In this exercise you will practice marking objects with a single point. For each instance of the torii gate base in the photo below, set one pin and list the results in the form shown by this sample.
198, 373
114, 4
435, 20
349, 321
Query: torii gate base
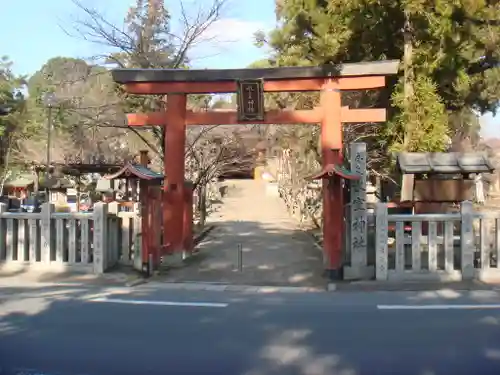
328, 80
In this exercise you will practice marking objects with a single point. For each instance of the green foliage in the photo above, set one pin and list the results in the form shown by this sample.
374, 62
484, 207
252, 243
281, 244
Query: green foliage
150, 43
454, 61
81, 91
420, 125
11, 97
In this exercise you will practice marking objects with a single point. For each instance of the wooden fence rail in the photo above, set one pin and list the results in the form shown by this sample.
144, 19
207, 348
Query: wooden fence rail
437, 246
91, 242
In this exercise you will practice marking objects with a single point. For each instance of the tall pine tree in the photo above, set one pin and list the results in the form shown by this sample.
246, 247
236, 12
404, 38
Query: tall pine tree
449, 51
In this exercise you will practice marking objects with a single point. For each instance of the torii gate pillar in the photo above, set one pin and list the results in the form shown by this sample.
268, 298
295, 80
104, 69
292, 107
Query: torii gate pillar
174, 189
331, 149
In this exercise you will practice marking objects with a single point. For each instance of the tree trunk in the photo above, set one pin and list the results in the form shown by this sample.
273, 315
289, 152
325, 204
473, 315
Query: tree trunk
36, 181
6, 172
202, 204
408, 75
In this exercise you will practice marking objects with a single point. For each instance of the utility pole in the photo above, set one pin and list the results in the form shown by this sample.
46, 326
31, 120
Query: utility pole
50, 101
49, 138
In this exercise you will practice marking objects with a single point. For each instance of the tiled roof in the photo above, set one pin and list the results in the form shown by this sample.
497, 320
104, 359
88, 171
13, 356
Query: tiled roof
137, 171
19, 182
147, 172
334, 169
444, 162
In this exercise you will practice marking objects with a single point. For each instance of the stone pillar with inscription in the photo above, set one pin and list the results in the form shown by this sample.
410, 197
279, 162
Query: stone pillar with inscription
358, 242
100, 237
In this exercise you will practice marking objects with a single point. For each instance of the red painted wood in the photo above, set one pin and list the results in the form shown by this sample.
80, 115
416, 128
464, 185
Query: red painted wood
280, 85
312, 116
331, 144
175, 141
143, 198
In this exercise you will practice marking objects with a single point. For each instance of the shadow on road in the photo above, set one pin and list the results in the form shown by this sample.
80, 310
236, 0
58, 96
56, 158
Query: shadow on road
58, 331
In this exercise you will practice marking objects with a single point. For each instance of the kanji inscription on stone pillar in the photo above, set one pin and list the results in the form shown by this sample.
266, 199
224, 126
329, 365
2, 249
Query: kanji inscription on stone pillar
358, 207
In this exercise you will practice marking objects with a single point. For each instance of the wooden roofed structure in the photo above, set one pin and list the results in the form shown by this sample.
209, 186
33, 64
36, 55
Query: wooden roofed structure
441, 176
459, 163
138, 171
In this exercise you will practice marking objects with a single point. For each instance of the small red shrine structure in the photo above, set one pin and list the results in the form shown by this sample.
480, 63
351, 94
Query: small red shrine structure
151, 202
149, 210
250, 86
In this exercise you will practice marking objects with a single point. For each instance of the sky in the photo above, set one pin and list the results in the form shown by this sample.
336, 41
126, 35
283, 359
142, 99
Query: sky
33, 31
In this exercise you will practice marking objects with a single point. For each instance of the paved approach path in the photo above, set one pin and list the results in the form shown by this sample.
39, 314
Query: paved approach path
275, 250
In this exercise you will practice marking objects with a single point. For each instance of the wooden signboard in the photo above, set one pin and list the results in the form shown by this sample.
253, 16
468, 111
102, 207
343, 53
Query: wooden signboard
250, 96
443, 190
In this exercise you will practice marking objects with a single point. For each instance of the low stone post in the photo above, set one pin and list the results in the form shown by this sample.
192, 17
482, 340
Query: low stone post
381, 246
113, 234
137, 237
47, 244
467, 240
3, 252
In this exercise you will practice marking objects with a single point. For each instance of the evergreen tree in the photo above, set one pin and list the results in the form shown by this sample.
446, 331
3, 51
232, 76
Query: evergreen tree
12, 101
449, 49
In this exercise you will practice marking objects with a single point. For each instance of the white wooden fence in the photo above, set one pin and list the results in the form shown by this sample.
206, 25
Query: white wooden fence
451, 247
92, 242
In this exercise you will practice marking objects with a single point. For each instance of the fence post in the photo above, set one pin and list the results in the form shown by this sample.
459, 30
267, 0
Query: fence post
382, 236
467, 240
113, 232
100, 237
357, 230
47, 210
3, 252
136, 237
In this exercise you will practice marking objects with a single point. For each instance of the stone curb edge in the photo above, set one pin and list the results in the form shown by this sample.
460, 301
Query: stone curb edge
227, 287
198, 238
331, 287
204, 233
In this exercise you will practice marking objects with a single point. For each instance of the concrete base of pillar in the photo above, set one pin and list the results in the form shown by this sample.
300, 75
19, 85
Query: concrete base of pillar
334, 274
359, 272
176, 259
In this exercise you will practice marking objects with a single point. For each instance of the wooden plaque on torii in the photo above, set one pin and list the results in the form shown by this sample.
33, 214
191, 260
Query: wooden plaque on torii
250, 99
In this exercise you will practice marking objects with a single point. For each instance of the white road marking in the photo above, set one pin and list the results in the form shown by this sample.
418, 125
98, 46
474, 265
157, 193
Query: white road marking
158, 303
439, 307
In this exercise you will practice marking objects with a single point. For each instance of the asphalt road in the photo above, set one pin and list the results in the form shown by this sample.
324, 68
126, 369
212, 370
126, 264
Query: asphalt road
73, 331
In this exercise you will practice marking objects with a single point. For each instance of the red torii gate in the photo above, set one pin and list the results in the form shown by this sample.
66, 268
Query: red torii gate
250, 84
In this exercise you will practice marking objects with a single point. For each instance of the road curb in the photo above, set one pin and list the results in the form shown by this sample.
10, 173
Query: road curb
330, 288
197, 239
367, 287
203, 234
232, 288
136, 282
